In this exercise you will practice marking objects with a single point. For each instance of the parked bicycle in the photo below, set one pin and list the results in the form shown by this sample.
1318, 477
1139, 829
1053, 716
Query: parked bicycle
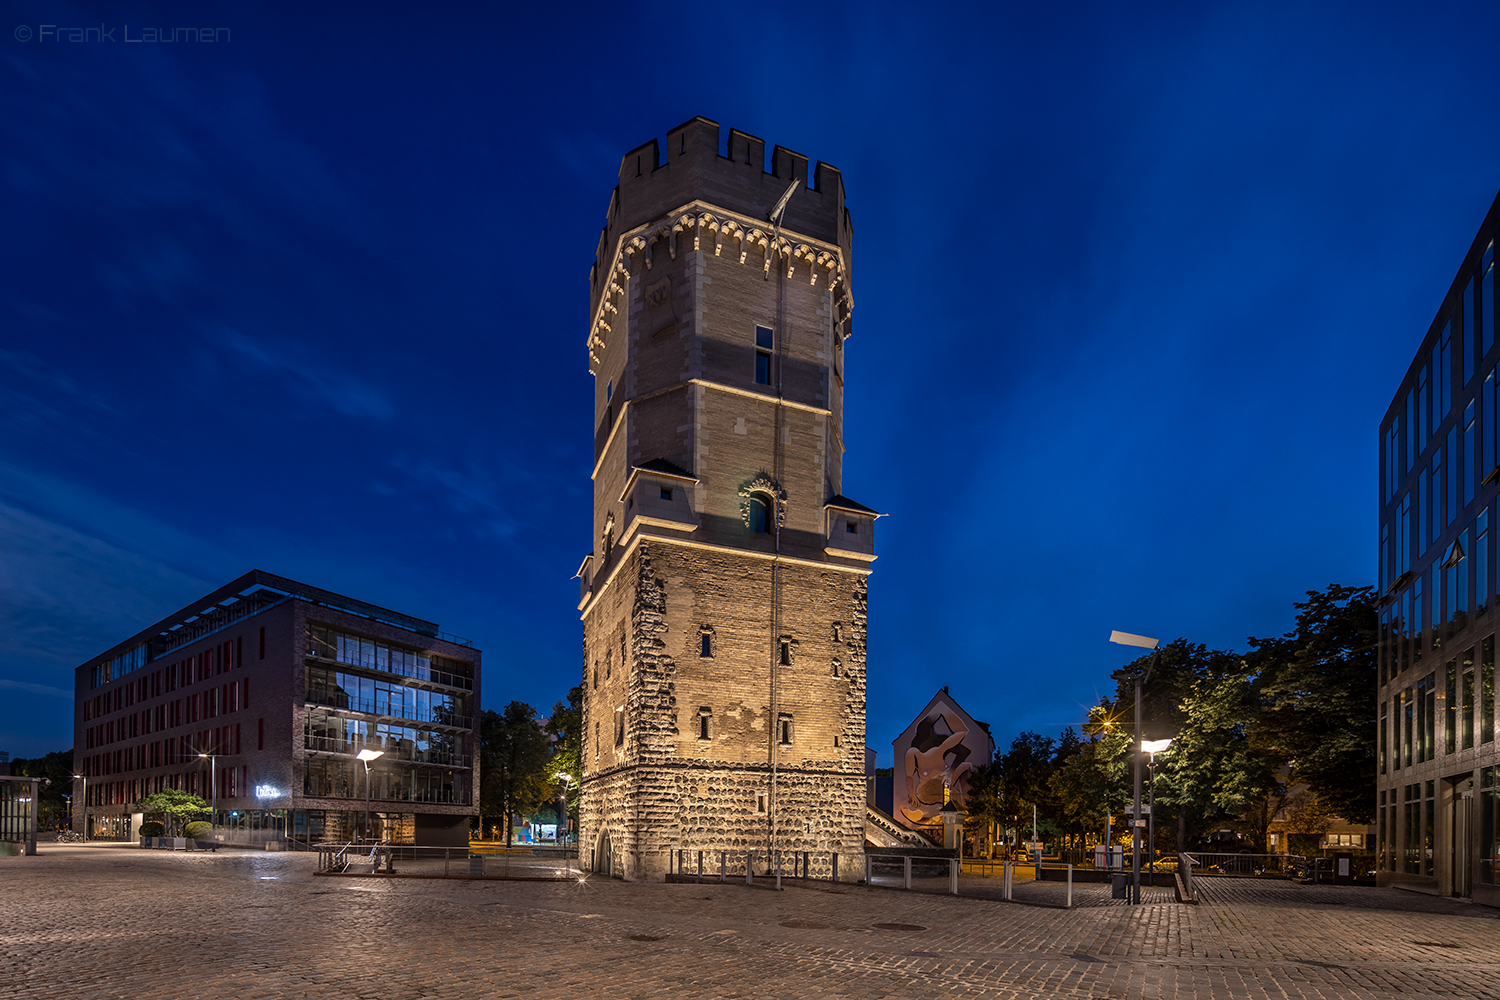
69, 837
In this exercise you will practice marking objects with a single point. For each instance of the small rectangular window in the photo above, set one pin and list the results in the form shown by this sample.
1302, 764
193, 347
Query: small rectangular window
705, 644
763, 338
262, 642
666, 493
620, 726
785, 724
705, 718
786, 653
852, 527
763, 369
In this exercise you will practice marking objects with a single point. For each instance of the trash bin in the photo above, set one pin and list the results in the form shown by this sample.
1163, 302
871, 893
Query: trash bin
1118, 888
1343, 868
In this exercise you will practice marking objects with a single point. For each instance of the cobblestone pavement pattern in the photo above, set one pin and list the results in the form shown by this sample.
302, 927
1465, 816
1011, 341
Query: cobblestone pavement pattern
106, 923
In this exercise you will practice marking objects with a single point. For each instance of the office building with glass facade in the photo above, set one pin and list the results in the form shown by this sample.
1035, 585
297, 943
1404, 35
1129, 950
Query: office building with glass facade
260, 698
1438, 760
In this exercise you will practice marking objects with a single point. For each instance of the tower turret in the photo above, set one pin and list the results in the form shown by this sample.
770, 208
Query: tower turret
724, 600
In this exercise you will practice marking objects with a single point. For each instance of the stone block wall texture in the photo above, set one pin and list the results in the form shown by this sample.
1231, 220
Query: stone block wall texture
724, 668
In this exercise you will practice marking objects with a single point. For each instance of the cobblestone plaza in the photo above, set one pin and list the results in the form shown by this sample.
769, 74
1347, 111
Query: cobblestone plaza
250, 925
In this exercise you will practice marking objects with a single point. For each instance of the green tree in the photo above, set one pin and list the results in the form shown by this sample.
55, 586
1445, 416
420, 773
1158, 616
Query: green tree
1026, 776
1219, 769
176, 807
1203, 700
1316, 687
56, 768
1093, 782
514, 754
565, 729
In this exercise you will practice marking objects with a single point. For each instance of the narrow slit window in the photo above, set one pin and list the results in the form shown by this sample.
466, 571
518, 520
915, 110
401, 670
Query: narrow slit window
765, 341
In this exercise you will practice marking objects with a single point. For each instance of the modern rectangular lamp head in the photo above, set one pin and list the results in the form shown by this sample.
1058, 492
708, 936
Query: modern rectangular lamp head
1127, 639
1155, 746
369, 755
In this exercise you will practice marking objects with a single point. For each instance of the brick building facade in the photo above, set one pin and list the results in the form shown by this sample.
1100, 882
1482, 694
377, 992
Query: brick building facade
724, 602
281, 685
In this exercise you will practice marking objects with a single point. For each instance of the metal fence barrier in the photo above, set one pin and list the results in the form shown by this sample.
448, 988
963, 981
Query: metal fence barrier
716, 865
451, 862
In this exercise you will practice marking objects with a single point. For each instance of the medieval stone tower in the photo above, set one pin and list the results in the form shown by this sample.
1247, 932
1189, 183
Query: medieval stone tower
724, 601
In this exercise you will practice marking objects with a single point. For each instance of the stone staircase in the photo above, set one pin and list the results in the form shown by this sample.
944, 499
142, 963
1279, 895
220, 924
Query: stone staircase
883, 831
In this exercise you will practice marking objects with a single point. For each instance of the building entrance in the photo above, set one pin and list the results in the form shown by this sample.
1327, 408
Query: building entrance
1460, 844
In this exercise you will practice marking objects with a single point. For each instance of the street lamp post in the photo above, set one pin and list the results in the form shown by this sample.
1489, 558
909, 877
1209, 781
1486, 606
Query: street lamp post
85, 780
567, 783
1127, 639
368, 755
213, 786
1153, 747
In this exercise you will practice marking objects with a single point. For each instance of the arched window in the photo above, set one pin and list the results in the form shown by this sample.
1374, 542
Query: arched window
760, 514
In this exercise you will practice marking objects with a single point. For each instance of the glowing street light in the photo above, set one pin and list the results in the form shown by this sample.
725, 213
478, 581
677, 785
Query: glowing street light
85, 780
566, 823
366, 756
1130, 639
1153, 747
213, 785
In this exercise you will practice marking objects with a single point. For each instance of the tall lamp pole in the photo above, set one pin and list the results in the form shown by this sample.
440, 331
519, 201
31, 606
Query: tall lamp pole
1141, 677
367, 756
213, 785
1153, 747
83, 778
567, 783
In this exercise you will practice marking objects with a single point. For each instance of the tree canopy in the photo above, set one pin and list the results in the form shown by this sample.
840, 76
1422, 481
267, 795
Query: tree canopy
176, 806
513, 758
1249, 732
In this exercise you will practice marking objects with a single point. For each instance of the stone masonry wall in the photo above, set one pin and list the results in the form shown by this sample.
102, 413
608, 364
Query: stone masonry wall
667, 787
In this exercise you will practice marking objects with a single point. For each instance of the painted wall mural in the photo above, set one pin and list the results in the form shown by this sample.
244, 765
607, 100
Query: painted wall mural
938, 751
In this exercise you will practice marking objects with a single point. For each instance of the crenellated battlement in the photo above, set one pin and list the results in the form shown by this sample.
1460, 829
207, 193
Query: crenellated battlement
654, 181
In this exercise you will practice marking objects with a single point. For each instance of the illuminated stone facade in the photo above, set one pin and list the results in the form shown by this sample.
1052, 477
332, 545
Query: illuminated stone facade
724, 602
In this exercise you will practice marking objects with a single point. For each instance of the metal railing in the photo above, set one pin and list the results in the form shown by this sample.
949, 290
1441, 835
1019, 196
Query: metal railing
370, 706
395, 749
720, 865
932, 867
411, 861
1247, 865
1185, 870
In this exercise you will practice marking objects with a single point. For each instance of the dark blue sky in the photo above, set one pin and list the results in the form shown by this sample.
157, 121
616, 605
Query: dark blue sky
1133, 289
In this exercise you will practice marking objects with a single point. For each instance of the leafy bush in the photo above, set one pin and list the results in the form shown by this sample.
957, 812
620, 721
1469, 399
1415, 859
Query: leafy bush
197, 830
151, 828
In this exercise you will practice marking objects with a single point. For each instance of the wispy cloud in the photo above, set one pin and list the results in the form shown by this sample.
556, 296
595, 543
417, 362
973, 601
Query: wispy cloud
34, 688
311, 379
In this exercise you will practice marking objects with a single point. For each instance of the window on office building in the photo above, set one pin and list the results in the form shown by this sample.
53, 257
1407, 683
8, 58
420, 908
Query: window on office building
1466, 700
1453, 464
1471, 456
1383, 706
1481, 554
1450, 701
1470, 341
1489, 825
1487, 690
